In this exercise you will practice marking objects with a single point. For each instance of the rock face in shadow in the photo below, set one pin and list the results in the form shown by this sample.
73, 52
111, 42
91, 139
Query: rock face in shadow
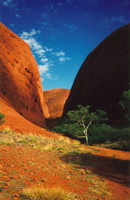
104, 75
19, 78
55, 100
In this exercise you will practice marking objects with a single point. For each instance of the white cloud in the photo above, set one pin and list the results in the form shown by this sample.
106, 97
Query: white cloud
45, 72
44, 68
61, 56
44, 60
63, 59
44, 64
48, 49
33, 32
29, 38
49, 76
60, 53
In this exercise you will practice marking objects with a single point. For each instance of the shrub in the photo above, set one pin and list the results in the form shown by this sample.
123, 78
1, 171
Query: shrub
125, 104
40, 193
72, 130
1, 118
103, 133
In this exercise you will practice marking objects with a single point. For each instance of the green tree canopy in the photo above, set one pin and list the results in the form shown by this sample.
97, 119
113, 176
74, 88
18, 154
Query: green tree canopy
85, 117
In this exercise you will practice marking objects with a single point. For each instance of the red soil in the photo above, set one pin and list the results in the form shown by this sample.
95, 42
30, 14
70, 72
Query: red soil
22, 166
18, 123
84, 173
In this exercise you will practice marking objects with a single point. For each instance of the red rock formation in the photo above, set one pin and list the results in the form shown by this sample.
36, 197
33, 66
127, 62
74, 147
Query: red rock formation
17, 123
19, 77
104, 75
55, 100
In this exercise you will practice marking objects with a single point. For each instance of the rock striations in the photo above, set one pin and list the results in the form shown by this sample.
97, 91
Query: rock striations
19, 78
104, 75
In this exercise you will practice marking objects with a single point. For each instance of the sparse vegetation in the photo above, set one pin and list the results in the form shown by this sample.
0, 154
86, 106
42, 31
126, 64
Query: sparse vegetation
82, 119
1, 118
106, 134
125, 104
77, 158
63, 144
99, 133
41, 193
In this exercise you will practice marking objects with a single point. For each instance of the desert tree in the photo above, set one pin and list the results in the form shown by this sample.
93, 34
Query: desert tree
85, 117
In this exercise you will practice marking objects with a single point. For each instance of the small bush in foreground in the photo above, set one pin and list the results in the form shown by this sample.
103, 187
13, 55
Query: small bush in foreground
1, 118
40, 193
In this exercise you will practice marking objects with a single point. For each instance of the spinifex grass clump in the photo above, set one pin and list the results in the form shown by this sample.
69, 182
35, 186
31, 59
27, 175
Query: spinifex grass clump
41, 193
1, 118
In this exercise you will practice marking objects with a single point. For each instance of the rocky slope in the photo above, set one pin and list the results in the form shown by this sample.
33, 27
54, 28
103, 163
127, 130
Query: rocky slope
19, 77
103, 76
55, 100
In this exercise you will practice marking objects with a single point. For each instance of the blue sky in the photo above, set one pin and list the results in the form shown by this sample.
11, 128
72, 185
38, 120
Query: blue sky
61, 33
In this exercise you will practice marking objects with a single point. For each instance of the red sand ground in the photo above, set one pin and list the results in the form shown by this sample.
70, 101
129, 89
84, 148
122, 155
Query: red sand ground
21, 166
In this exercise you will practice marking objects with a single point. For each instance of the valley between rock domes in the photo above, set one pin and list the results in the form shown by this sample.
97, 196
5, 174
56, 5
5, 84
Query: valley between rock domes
32, 155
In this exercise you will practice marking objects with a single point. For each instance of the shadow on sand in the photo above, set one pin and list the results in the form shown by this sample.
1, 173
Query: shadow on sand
112, 168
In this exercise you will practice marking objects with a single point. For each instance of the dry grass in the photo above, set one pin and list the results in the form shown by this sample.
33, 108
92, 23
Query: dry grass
62, 145
98, 186
41, 193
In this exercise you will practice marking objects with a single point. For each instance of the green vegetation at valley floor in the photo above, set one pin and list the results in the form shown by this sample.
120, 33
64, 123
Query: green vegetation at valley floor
125, 104
99, 134
81, 120
84, 123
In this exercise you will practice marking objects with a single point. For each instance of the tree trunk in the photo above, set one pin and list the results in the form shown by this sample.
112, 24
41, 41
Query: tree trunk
86, 132
86, 135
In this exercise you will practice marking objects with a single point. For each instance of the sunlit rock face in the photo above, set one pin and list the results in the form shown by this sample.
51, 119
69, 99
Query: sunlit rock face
104, 75
55, 100
19, 77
